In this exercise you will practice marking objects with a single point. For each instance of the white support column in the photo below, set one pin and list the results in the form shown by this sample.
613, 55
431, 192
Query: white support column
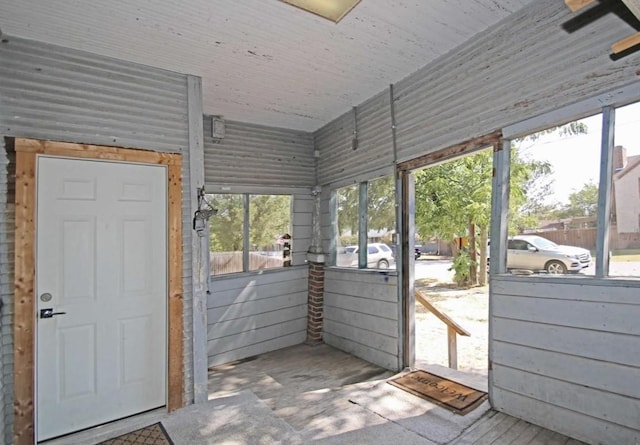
363, 226
199, 241
500, 207
604, 191
500, 191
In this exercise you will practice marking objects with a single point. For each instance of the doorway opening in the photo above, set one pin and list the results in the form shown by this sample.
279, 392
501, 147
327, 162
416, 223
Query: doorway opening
446, 216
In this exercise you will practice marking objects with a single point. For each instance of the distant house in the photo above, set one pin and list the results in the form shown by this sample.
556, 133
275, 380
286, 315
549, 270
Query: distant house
626, 186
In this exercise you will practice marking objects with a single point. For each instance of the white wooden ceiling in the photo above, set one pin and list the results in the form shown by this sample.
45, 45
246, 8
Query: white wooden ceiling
264, 61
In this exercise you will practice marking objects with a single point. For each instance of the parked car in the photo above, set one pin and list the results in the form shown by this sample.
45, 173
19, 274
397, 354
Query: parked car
535, 253
379, 255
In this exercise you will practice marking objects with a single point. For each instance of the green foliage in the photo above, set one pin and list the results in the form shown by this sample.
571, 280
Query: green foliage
348, 198
381, 211
461, 266
382, 204
269, 217
225, 229
583, 202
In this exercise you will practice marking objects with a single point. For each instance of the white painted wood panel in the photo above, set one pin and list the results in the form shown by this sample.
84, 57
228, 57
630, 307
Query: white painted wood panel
595, 403
362, 321
370, 291
255, 307
239, 325
361, 315
597, 374
254, 292
565, 355
570, 288
606, 317
592, 344
253, 313
579, 426
255, 336
363, 305
251, 350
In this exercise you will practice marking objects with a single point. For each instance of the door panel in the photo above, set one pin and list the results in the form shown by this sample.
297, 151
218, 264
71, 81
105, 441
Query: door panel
102, 256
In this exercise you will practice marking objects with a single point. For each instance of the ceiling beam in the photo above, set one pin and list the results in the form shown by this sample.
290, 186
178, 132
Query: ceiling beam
577, 5
626, 43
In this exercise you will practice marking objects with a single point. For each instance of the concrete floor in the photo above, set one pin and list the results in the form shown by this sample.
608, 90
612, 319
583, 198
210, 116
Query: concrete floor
317, 394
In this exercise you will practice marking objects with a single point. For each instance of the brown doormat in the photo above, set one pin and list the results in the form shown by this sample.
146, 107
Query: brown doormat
449, 394
149, 435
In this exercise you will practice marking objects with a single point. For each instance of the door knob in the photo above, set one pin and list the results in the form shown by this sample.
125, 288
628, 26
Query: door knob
48, 313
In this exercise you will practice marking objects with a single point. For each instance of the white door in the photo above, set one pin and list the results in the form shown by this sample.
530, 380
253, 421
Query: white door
102, 260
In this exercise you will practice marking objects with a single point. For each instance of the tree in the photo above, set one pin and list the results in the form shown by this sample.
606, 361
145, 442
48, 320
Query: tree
453, 199
269, 217
583, 202
381, 211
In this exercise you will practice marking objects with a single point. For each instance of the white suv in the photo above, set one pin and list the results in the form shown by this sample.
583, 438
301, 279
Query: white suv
535, 253
379, 255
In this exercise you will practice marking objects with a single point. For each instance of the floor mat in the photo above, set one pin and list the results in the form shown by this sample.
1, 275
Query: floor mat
150, 435
454, 396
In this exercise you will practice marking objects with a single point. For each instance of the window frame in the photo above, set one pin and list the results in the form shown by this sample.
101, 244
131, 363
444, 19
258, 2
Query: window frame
363, 218
605, 104
246, 227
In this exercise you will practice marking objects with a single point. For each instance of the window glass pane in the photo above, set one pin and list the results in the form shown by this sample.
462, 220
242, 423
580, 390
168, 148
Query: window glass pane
269, 229
554, 199
624, 234
226, 233
347, 226
381, 222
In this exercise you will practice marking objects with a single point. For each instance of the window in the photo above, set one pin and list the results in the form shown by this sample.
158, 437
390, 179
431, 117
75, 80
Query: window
624, 230
366, 206
249, 232
568, 199
553, 208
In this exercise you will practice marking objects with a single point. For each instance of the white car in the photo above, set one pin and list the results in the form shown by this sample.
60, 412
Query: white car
535, 253
379, 255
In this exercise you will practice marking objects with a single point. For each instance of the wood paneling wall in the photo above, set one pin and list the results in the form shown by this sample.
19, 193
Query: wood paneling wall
250, 314
361, 315
565, 355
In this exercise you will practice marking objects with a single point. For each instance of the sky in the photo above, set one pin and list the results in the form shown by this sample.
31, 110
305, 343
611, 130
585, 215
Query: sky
576, 159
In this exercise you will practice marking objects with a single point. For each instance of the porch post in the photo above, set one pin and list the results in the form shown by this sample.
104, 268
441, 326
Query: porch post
316, 260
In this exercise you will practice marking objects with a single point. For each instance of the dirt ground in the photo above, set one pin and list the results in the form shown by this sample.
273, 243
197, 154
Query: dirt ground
467, 307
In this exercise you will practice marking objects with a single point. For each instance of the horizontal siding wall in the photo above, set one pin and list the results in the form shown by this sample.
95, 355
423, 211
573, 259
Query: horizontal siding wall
257, 155
535, 61
253, 314
361, 315
540, 58
53, 93
338, 159
566, 356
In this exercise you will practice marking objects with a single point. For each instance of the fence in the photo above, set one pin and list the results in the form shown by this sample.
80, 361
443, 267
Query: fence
586, 238
231, 262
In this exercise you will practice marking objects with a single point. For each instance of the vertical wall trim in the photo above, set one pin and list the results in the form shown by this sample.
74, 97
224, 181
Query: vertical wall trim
407, 288
499, 231
500, 206
246, 244
333, 236
199, 244
394, 139
363, 229
604, 191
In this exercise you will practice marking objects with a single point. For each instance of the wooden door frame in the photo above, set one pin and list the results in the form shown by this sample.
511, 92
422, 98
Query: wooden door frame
24, 331
403, 170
